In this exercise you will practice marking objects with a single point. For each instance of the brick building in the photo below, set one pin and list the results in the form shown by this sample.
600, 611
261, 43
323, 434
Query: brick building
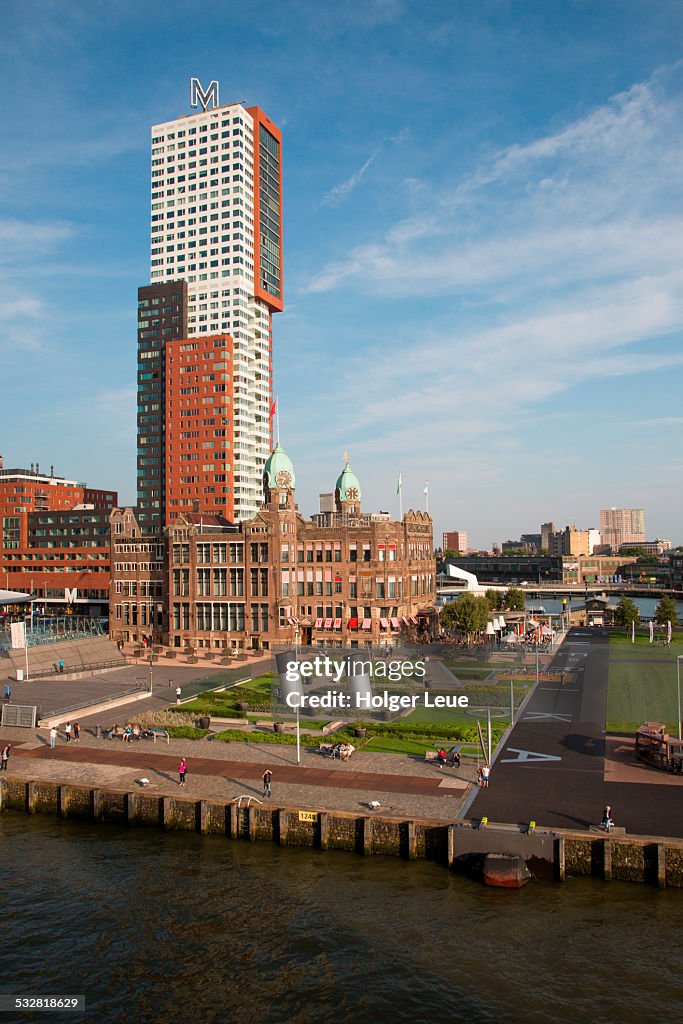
54, 541
341, 577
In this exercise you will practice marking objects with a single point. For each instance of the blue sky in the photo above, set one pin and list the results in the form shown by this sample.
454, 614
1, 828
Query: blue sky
483, 242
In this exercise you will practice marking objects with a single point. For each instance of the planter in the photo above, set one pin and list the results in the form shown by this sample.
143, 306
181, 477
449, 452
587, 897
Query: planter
279, 727
359, 732
203, 723
242, 706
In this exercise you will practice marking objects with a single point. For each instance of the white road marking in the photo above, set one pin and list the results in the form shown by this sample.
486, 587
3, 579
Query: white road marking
527, 755
538, 716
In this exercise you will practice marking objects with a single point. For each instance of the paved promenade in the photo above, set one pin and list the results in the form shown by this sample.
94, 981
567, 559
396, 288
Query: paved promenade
559, 769
402, 785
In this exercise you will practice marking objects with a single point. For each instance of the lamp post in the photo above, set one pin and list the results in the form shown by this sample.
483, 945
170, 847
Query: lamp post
678, 687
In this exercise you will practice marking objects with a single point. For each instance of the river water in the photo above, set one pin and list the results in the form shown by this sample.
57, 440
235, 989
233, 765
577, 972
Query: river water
160, 928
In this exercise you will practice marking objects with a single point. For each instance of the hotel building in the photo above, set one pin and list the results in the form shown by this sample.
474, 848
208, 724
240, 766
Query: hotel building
342, 577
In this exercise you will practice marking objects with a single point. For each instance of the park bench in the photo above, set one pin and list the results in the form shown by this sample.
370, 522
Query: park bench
159, 734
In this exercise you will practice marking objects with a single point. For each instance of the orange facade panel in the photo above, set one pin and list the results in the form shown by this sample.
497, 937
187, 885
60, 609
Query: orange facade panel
268, 279
199, 426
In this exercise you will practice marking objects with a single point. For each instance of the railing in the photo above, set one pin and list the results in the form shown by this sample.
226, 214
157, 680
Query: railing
56, 629
95, 700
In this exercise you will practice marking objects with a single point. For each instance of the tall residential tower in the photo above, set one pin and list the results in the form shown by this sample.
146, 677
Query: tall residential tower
216, 276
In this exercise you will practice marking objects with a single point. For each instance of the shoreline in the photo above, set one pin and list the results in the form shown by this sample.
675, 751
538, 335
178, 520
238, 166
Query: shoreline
552, 854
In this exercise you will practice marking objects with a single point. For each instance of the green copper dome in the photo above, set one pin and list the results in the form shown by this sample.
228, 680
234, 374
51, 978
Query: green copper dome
348, 486
278, 470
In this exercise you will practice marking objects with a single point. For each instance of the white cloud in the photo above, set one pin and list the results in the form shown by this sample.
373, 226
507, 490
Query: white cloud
343, 190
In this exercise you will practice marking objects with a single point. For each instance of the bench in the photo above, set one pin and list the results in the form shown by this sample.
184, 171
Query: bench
159, 734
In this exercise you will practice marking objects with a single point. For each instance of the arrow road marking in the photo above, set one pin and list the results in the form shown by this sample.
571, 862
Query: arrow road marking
527, 755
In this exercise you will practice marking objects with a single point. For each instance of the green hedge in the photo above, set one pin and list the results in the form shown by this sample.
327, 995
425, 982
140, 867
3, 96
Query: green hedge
286, 738
186, 732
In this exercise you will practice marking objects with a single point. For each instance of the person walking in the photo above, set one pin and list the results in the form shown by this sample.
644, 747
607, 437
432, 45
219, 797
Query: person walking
8, 692
53, 737
178, 693
182, 770
267, 778
77, 732
60, 664
607, 823
485, 772
67, 730
4, 757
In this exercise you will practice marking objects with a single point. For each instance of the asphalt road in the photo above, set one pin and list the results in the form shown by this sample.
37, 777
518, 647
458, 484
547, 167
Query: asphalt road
552, 767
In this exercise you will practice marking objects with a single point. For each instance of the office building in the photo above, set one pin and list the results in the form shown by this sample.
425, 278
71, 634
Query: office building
455, 540
622, 526
216, 266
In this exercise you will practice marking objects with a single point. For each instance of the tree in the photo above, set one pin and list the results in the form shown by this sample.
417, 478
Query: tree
468, 614
515, 600
451, 553
627, 612
493, 599
666, 611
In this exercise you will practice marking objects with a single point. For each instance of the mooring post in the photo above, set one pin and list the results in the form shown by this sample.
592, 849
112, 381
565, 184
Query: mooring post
282, 827
607, 860
661, 865
450, 849
412, 841
560, 867
367, 837
324, 820
131, 808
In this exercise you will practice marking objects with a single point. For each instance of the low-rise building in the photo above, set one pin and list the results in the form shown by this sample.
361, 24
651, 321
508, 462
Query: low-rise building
342, 577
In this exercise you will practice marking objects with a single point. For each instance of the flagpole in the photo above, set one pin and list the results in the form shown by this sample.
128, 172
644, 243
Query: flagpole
427, 496
400, 496
277, 417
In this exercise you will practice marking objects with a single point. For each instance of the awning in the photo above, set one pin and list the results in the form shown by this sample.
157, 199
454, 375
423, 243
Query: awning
317, 624
353, 623
405, 621
14, 597
367, 624
413, 619
384, 623
395, 624
337, 623
327, 624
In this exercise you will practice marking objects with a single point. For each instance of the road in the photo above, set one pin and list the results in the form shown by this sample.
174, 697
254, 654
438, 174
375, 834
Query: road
557, 768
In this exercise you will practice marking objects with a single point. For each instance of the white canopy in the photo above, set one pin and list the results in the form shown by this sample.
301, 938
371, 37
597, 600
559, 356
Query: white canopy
14, 597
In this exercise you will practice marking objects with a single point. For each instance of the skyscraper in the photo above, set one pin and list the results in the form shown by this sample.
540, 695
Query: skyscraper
622, 526
216, 271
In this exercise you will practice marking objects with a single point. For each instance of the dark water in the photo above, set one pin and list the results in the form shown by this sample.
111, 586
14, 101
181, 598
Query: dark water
172, 928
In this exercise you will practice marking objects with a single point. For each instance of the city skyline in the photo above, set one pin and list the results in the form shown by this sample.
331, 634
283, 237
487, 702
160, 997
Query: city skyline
481, 254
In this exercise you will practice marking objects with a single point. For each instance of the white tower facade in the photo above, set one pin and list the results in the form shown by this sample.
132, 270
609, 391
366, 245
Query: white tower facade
216, 223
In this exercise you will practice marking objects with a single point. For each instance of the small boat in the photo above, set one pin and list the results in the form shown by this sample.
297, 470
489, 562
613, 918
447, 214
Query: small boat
540, 610
505, 871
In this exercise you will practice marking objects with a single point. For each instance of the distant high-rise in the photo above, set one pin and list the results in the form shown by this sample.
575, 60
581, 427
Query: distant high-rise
622, 526
455, 540
216, 267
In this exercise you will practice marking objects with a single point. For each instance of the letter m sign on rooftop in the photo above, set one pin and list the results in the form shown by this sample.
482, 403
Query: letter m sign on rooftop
207, 97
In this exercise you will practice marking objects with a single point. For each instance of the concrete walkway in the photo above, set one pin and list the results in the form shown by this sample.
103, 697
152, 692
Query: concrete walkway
403, 785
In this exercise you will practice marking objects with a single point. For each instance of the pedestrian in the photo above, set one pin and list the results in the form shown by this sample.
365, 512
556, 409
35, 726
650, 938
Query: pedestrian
77, 732
178, 693
607, 822
485, 776
4, 757
479, 776
267, 778
53, 737
60, 664
182, 769
8, 692
67, 730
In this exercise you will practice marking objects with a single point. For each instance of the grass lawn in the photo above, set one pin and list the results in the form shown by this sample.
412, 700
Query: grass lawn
394, 745
642, 689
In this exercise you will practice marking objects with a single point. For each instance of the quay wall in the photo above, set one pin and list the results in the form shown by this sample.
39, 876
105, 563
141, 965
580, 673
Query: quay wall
550, 854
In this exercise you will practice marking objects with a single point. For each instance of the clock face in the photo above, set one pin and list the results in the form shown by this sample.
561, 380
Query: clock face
352, 493
283, 478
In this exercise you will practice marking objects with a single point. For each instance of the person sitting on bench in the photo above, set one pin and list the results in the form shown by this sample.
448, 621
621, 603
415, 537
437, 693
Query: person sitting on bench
607, 822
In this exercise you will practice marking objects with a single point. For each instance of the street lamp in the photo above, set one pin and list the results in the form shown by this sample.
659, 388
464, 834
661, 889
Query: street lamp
678, 687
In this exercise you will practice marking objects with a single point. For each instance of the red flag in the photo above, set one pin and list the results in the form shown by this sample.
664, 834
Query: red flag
273, 409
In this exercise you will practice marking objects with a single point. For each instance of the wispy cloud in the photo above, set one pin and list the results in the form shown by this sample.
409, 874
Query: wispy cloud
343, 190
